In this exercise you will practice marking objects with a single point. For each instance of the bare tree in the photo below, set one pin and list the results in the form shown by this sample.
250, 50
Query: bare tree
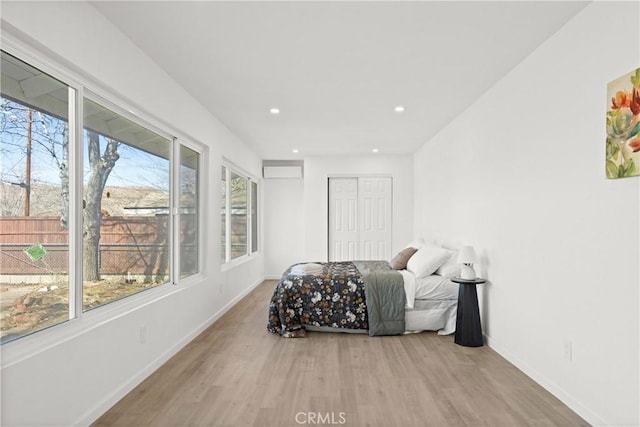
51, 134
63, 167
13, 126
100, 166
55, 140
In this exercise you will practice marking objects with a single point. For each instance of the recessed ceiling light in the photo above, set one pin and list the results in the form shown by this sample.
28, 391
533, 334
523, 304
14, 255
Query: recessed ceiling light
399, 109
274, 110
375, 150
295, 150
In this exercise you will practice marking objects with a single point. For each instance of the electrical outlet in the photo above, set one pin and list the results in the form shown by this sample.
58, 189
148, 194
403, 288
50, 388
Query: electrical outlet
568, 350
143, 334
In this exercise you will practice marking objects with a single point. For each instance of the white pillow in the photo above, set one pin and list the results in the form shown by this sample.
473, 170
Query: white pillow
450, 268
427, 260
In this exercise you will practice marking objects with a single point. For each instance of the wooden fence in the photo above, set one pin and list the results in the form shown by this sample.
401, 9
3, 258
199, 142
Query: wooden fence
136, 245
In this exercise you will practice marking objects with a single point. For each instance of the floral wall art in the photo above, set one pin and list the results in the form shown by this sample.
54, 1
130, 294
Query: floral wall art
623, 126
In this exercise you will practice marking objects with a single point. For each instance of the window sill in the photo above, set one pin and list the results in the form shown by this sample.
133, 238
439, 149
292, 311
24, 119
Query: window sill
31, 345
238, 261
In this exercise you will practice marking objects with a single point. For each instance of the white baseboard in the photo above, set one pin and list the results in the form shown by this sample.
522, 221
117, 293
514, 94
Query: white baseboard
272, 277
94, 413
549, 385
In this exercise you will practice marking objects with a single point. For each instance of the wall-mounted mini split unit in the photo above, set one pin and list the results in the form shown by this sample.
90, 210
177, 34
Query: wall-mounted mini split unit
282, 169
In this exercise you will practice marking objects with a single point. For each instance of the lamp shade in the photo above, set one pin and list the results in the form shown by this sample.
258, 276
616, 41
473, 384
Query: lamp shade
467, 255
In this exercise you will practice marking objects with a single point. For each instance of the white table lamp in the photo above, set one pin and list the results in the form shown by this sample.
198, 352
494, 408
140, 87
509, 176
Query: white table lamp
467, 257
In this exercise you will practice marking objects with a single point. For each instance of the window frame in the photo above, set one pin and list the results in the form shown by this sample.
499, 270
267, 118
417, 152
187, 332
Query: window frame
254, 211
227, 262
126, 113
201, 176
80, 86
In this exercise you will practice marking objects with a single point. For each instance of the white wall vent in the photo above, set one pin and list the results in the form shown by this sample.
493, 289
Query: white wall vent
287, 169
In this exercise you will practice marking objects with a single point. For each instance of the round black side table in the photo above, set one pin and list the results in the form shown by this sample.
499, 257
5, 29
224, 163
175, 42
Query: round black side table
468, 327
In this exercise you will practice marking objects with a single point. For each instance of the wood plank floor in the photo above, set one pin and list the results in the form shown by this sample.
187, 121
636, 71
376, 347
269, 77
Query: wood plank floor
238, 374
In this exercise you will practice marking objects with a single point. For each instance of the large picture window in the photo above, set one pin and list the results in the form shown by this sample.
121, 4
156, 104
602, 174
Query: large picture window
239, 234
125, 210
137, 187
34, 200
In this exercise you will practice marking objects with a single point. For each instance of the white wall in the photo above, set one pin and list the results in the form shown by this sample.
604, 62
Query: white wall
284, 234
89, 364
520, 175
317, 170
296, 211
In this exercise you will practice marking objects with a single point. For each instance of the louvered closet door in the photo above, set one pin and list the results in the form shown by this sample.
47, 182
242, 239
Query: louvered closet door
343, 219
360, 218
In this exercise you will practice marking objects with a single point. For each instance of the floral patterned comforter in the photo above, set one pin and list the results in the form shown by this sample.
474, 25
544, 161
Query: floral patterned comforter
320, 294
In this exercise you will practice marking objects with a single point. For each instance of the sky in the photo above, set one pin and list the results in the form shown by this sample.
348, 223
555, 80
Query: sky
134, 167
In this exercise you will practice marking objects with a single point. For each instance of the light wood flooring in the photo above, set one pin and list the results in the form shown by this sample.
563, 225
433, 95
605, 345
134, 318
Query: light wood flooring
238, 374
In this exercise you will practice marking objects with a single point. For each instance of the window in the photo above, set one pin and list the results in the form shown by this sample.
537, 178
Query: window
254, 216
138, 187
224, 232
238, 215
125, 210
239, 233
188, 203
34, 200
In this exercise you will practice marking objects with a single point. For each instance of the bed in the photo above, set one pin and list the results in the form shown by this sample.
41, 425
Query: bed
364, 297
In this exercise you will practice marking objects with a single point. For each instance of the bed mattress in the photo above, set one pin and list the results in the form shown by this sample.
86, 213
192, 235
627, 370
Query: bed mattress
427, 315
432, 315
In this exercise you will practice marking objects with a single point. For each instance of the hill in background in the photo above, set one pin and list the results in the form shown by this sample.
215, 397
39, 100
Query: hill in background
46, 200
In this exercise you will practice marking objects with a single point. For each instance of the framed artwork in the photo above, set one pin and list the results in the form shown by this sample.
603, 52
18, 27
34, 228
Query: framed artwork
623, 126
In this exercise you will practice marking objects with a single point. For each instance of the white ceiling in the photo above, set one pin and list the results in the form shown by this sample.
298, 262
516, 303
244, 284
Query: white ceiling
336, 70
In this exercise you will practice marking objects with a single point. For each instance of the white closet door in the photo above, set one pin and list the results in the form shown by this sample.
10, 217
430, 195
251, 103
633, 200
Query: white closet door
374, 219
343, 219
360, 219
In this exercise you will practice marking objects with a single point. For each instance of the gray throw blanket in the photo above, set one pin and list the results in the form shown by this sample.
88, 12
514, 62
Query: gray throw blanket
384, 292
